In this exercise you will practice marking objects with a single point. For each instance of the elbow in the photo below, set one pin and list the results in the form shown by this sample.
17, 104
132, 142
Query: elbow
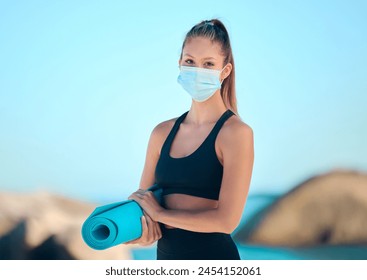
229, 229
229, 225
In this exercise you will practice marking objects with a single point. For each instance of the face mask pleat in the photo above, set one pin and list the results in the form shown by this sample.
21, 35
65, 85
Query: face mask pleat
200, 83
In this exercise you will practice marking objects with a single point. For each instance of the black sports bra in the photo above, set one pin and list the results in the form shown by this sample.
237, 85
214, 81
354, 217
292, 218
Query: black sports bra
198, 174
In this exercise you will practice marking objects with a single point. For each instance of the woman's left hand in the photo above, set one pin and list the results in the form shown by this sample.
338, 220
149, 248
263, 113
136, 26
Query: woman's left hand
148, 202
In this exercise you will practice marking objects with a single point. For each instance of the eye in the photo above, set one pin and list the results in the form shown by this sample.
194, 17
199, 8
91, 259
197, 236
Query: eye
209, 64
189, 61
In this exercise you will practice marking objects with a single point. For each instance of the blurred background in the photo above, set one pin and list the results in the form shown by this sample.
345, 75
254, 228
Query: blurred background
82, 85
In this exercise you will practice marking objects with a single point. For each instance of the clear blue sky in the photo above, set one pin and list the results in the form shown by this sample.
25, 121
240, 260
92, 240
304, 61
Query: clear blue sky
83, 83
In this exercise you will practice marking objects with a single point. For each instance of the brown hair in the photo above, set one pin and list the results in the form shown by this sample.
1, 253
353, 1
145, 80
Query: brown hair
214, 30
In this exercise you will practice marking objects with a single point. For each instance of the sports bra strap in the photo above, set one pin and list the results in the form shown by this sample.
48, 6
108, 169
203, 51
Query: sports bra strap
212, 135
172, 133
220, 123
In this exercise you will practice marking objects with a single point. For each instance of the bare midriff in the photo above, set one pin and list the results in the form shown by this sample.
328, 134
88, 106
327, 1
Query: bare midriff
179, 201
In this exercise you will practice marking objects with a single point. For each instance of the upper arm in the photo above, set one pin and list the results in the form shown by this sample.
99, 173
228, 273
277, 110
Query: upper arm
156, 139
238, 158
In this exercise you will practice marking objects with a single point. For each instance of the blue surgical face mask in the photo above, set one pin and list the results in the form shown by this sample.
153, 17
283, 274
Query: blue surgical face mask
200, 83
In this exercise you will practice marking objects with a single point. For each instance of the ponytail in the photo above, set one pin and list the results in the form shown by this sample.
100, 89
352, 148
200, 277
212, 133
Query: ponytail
215, 30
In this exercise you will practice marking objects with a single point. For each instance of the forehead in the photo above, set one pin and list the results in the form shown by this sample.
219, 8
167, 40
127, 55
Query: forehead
202, 47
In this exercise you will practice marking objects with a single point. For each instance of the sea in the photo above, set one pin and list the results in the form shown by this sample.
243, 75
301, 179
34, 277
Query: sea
254, 205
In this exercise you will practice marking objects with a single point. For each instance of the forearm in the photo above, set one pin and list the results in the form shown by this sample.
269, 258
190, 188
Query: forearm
211, 220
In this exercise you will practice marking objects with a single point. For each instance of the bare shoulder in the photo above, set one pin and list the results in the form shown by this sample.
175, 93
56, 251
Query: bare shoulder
235, 129
160, 133
162, 129
234, 134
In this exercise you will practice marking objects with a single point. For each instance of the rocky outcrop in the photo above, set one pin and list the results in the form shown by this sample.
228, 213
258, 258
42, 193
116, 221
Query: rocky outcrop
47, 226
329, 208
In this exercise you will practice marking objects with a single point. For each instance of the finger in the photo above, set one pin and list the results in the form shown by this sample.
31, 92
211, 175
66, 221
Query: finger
148, 195
148, 218
133, 194
148, 231
145, 229
157, 231
157, 234
150, 227
136, 197
153, 227
153, 230
160, 233
146, 214
134, 241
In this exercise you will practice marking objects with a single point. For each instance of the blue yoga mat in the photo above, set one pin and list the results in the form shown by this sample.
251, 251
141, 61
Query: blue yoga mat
115, 223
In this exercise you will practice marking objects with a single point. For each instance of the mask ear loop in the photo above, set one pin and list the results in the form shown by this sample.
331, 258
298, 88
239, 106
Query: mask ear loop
221, 81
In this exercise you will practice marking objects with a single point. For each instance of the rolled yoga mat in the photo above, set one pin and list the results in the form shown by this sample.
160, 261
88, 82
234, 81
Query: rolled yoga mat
115, 223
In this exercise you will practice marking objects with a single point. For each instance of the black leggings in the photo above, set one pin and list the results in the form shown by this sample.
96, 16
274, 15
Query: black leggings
179, 244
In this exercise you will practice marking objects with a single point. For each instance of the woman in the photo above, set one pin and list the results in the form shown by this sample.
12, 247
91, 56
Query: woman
203, 159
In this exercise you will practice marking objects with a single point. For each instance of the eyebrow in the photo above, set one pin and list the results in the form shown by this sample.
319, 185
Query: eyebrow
203, 58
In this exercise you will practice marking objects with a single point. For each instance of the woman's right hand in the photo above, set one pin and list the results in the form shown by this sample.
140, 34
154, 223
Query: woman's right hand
151, 232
